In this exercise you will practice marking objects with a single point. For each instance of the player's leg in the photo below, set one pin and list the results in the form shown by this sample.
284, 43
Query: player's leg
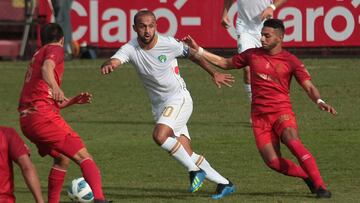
224, 186
291, 139
201, 162
57, 176
244, 42
170, 121
268, 144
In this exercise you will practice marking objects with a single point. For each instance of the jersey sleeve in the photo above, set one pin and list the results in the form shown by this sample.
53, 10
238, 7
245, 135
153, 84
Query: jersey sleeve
181, 49
299, 70
241, 60
55, 53
123, 54
17, 147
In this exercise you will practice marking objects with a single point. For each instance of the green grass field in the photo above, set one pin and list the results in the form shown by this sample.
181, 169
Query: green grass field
117, 130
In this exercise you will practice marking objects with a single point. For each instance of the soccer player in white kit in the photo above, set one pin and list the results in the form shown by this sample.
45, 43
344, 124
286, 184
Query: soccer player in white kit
249, 22
154, 57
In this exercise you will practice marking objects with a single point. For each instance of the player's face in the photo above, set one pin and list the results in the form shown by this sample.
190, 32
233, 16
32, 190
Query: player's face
145, 28
270, 38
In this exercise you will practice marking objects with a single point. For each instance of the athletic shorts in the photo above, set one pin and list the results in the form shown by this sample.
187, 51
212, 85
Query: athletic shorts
268, 127
246, 41
175, 113
44, 126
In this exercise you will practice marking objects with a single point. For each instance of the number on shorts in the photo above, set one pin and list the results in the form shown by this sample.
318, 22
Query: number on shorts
168, 111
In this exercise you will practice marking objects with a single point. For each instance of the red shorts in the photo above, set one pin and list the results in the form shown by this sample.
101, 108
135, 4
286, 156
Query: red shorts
45, 127
268, 127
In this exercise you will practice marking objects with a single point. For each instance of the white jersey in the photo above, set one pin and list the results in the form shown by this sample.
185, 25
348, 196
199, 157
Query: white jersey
157, 67
248, 19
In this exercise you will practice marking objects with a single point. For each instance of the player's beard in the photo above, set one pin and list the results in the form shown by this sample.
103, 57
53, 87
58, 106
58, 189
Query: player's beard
147, 41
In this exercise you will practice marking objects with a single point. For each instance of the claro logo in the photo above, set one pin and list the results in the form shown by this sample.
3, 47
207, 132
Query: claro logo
303, 24
112, 24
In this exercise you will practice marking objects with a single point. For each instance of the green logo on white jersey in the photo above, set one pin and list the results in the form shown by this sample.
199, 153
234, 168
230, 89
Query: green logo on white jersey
162, 58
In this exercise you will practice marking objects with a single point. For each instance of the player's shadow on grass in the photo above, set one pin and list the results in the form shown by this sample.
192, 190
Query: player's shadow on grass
191, 123
276, 194
161, 193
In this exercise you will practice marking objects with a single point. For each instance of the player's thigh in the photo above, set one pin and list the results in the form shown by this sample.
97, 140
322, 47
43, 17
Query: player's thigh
176, 114
246, 41
262, 130
51, 134
285, 125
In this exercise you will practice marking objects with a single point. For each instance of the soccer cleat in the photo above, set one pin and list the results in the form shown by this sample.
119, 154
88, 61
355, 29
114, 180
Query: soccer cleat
323, 193
196, 179
223, 190
310, 185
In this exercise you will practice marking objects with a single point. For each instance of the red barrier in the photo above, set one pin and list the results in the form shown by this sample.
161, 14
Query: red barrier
309, 23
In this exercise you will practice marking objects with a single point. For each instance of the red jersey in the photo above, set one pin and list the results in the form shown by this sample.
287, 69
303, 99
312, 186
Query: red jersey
270, 78
35, 88
11, 148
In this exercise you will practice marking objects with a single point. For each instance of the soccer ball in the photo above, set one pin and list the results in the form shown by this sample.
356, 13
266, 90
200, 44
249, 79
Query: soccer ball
80, 191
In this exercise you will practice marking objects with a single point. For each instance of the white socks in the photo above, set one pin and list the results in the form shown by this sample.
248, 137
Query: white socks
211, 174
247, 88
175, 148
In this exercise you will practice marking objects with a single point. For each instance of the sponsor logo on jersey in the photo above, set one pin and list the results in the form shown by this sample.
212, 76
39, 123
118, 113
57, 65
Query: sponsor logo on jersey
162, 58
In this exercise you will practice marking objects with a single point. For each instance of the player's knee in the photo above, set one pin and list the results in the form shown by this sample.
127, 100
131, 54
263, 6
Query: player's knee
289, 134
160, 134
62, 162
82, 155
274, 164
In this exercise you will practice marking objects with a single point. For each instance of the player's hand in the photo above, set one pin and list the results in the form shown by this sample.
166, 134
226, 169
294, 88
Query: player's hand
327, 107
58, 94
225, 22
190, 42
223, 79
82, 98
267, 13
106, 69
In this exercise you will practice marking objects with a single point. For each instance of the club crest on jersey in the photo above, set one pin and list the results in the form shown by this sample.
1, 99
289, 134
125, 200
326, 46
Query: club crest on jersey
162, 58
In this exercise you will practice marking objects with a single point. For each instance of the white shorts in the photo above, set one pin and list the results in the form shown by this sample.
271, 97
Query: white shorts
246, 41
175, 113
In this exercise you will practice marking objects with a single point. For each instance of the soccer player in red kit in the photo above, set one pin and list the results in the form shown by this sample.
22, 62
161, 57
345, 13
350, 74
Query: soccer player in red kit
13, 149
271, 70
40, 120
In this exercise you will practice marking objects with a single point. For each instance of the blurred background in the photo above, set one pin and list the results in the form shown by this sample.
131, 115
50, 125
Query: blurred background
96, 28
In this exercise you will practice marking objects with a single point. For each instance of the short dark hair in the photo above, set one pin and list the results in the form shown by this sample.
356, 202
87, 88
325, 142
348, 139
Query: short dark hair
275, 23
51, 32
143, 13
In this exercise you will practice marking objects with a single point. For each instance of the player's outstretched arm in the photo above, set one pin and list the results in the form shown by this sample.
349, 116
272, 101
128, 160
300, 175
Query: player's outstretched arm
314, 95
47, 72
82, 98
199, 53
225, 22
109, 66
30, 176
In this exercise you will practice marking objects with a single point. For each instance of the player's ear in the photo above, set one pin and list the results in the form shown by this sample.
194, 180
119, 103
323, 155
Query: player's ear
62, 40
134, 27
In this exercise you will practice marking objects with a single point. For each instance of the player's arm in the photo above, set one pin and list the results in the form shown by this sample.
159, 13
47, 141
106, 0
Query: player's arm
269, 11
200, 53
110, 65
30, 176
314, 95
218, 78
47, 71
225, 22
82, 98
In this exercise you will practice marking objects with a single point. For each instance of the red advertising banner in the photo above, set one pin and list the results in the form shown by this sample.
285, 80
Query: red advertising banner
108, 23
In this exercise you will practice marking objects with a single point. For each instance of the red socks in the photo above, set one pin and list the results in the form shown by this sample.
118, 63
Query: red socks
287, 167
306, 161
55, 183
92, 176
